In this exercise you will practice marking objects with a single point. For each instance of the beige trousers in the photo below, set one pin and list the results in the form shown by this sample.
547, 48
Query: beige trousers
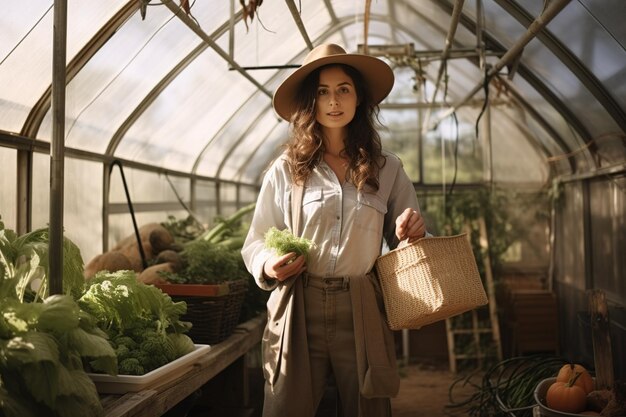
330, 335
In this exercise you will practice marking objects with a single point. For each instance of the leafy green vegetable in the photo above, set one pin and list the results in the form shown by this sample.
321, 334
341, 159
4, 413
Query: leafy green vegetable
24, 259
46, 340
284, 242
208, 263
42, 350
229, 226
140, 320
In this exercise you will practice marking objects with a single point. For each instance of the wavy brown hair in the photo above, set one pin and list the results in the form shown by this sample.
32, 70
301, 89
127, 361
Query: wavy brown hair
305, 148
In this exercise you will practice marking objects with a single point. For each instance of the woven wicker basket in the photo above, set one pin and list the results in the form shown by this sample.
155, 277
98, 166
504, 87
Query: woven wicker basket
429, 280
214, 316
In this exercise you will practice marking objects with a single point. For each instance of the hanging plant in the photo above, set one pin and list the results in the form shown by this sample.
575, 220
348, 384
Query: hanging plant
249, 9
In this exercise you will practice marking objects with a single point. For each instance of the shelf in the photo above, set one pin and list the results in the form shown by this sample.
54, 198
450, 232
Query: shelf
158, 400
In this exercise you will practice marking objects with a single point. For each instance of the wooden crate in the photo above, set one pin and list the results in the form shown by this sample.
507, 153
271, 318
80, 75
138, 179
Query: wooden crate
531, 319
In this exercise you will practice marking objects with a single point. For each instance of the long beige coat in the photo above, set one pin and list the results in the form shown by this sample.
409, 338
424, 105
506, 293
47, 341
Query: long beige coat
285, 350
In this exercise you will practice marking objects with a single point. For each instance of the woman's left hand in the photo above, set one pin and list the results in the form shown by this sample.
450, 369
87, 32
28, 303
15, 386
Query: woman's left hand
410, 225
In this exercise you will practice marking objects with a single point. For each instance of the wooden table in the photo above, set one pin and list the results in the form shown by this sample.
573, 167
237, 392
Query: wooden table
158, 399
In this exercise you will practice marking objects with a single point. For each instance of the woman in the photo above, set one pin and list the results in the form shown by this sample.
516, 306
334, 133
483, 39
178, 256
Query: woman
325, 315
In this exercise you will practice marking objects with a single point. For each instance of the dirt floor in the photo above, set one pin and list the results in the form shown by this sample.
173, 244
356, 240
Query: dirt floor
424, 391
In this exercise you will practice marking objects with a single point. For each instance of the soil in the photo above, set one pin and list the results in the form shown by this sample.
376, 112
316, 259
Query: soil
424, 391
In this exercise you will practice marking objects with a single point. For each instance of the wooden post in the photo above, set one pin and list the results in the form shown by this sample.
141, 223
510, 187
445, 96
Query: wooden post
601, 336
491, 292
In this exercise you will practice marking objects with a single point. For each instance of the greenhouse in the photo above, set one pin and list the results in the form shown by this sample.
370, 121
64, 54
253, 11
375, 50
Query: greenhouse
140, 148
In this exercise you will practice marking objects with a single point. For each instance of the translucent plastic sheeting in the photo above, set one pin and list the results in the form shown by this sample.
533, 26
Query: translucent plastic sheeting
119, 76
269, 150
147, 187
401, 136
81, 208
173, 130
514, 158
25, 60
26, 50
210, 120
235, 153
8, 188
206, 208
273, 37
442, 164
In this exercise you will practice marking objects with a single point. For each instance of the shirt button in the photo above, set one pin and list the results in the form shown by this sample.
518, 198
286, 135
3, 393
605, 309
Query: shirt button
338, 217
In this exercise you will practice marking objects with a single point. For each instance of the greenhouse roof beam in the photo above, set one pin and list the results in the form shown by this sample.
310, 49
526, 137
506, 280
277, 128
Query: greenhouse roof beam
206, 38
41, 107
161, 85
538, 24
220, 131
454, 23
578, 68
298, 20
240, 139
537, 84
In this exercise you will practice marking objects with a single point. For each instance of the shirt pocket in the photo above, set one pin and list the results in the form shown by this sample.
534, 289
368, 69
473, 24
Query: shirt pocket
370, 213
312, 205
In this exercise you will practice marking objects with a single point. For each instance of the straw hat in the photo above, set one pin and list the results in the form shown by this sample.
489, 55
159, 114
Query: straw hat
377, 75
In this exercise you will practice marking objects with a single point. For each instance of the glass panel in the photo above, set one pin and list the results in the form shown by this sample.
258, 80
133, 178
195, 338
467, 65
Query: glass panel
83, 209
401, 137
237, 125
206, 195
515, 159
154, 197
274, 26
228, 199
148, 187
250, 139
254, 170
82, 201
41, 190
8, 188
556, 120
116, 79
26, 73
444, 163
196, 105
248, 195
569, 88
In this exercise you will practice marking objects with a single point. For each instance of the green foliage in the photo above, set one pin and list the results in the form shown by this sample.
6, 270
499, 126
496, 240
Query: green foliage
461, 211
228, 226
506, 388
284, 242
206, 262
183, 230
42, 350
143, 322
24, 259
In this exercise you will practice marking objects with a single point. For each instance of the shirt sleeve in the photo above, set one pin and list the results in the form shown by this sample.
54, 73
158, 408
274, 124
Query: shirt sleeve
269, 211
401, 197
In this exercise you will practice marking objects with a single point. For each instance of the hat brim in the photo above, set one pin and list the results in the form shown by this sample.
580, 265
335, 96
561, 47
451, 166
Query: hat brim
376, 73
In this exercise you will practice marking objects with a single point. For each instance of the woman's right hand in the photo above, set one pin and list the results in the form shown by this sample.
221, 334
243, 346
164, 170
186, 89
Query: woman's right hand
282, 267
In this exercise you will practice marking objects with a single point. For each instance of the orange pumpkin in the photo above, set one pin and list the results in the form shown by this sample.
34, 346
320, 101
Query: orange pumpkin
569, 371
567, 396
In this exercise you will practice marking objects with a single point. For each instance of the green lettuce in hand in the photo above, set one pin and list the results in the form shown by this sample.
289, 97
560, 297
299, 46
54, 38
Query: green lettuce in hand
283, 242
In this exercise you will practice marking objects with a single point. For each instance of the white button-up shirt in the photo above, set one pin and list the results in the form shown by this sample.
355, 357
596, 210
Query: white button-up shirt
346, 225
